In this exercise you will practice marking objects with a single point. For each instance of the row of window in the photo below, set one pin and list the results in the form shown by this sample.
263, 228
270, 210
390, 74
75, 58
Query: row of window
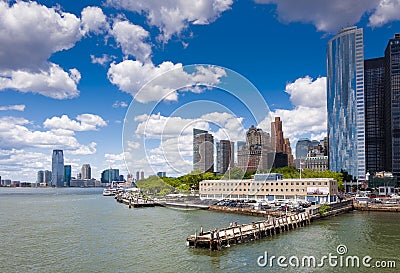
267, 184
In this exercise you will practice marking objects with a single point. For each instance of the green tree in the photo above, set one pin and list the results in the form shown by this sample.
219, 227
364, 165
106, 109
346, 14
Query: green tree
233, 173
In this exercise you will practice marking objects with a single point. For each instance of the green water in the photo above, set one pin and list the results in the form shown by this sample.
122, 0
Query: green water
79, 230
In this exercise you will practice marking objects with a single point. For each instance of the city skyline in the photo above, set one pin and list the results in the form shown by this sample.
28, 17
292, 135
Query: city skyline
67, 84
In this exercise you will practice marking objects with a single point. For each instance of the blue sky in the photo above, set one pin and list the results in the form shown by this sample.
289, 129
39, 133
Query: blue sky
69, 70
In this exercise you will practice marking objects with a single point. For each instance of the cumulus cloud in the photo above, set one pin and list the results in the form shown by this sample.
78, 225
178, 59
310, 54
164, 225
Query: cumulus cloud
308, 118
172, 17
103, 60
15, 134
387, 10
93, 20
327, 16
130, 76
84, 122
132, 40
15, 107
53, 82
31, 41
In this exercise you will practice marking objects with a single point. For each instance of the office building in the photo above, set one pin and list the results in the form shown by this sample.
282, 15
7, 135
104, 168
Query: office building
345, 102
109, 175
67, 175
161, 174
277, 135
57, 170
302, 147
86, 171
375, 147
40, 177
142, 175
253, 156
225, 156
392, 105
287, 149
203, 151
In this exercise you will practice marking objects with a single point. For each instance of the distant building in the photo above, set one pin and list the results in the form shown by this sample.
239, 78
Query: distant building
277, 135
203, 151
86, 171
137, 176
253, 155
47, 177
161, 174
225, 156
67, 175
345, 102
57, 171
40, 177
288, 150
109, 175
142, 175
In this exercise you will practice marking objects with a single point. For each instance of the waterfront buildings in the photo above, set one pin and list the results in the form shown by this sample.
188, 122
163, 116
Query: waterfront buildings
86, 171
57, 169
225, 156
271, 188
161, 174
67, 175
345, 102
203, 151
253, 155
109, 175
382, 104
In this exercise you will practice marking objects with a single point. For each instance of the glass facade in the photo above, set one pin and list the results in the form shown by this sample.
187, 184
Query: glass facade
345, 102
374, 71
57, 169
67, 175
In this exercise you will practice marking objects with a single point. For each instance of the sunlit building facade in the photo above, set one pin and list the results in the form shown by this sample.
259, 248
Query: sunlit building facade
345, 102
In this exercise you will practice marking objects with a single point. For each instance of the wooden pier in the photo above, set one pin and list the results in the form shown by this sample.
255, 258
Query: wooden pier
216, 239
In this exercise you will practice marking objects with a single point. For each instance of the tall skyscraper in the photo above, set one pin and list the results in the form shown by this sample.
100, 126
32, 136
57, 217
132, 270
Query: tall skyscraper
375, 146
142, 175
137, 176
86, 171
67, 175
57, 169
392, 104
225, 155
203, 151
109, 175
40, 177
277, 135
47, 177
254, 155
345, 102
302, 147
287, 149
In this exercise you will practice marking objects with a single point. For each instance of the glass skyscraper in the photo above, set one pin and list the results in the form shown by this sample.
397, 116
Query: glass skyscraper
203, 151
57, 169
345, 102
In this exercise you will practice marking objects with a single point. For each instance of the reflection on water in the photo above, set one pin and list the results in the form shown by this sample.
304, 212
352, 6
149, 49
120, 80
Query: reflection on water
79, 230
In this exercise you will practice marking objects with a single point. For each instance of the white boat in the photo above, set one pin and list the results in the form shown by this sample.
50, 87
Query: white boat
109, 192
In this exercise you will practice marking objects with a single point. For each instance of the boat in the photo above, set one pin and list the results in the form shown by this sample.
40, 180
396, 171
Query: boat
109, 192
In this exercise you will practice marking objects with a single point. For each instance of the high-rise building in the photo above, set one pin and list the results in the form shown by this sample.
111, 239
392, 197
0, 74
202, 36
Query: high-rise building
203, 151
392, 104
142, 175
67, 175
137, 176
109, 175
86, 171
40, 177
47, 177
375, 146
302, 147
277, 135
345, 102
287, 149
225, 155
254, 155
57, 169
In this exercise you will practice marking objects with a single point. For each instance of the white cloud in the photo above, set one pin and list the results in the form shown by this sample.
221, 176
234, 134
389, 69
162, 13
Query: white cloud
120, 104
308, 118
15, 134
16, 107
84, 122
132, 39
130, 76
328, 16
387, 10
103, 60
93, 20
32, 40
53, 82
172, 17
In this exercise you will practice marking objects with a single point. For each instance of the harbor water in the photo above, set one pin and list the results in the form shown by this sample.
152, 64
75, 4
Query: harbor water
79, 230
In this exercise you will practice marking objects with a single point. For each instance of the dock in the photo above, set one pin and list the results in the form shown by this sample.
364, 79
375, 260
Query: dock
217, 239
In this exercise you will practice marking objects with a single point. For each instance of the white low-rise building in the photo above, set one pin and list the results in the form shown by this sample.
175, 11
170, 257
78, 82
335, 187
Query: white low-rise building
321, 190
